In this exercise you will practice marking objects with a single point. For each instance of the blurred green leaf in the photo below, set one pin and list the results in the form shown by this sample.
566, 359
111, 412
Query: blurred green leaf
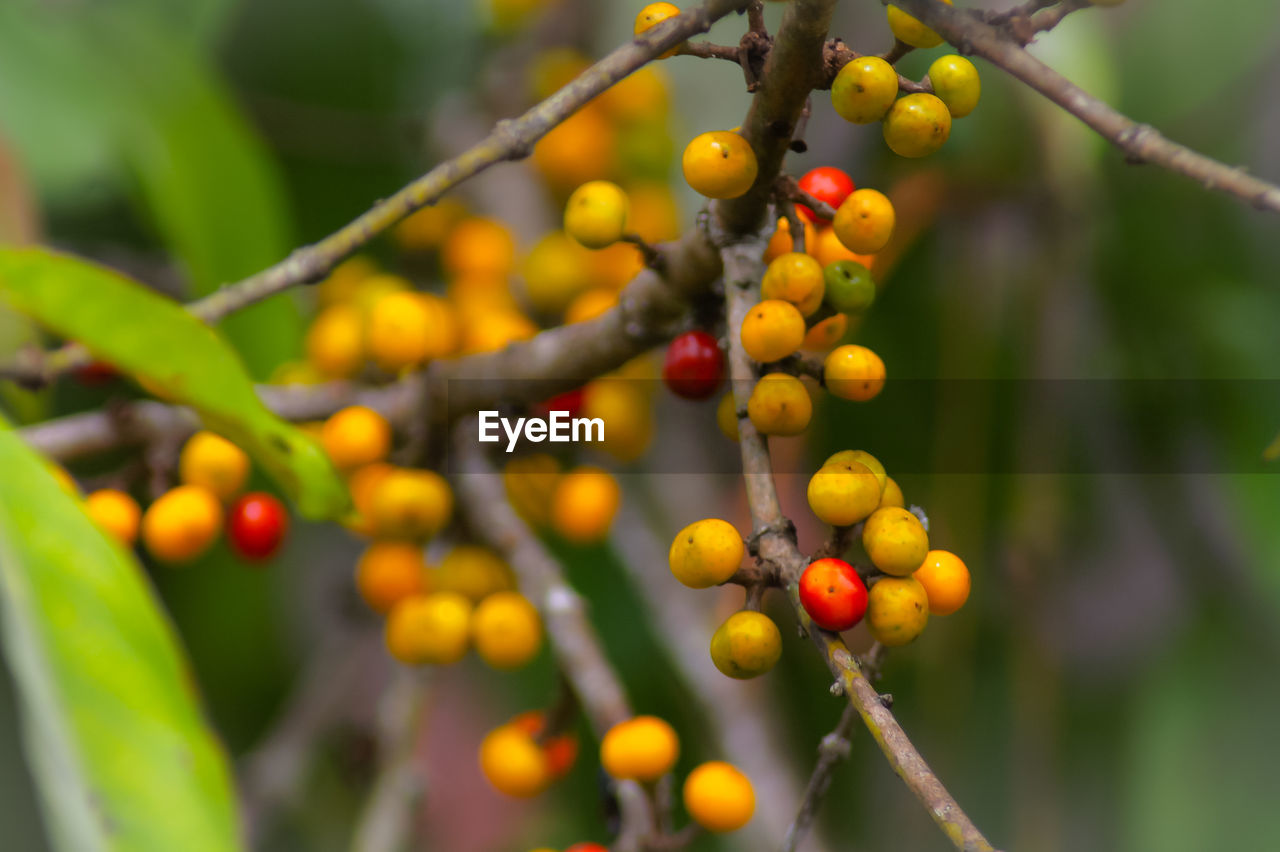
113, 729
154, 339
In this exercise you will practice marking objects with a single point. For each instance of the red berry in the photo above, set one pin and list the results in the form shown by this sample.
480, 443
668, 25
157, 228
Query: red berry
570, 401
694, 366
257, 526
825, 183
833, 594
587, 847
96, 373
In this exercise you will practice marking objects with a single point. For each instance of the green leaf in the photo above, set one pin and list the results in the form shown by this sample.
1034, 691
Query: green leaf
121, 755
155, 340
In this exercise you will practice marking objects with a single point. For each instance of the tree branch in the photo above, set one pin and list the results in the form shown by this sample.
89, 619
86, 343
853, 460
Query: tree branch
833, 749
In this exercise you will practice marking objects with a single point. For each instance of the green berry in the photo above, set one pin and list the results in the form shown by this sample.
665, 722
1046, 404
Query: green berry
849, 287
956, 82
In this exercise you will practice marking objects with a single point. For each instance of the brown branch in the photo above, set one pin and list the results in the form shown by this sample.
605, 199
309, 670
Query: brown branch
1140, 143
386, 821
833, 749
790, 189
708, 50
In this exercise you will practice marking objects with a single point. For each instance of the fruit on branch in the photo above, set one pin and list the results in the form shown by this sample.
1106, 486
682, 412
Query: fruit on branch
844, 492
917, 125
506, 630
472, 571
407, 329
335, 342
361, 483
864, 222
825, 334
727, 416
652, 15
694, 365
780, 405
827, 184
860, 457
115, 513
772, 330
556, 270
530, 483
590, 304
182, 524
746, 645
849, 287
895, 540
781, 243
356, 436
946, 581
853, 372
864, 89
389, 572
410, 504
719, 797
479, 247
719, 164
561, 750
623, 404
897, 610
910, 30
596, 214
795, 278
513, 763
213, 463
827, 249
706, 553
581, 148
584, 504
833, 594
429, 629
257, 524
892, 494
642, 748
956, 83
587, 847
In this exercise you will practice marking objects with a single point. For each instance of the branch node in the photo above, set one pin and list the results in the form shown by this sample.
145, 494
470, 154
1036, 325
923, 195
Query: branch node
836, 688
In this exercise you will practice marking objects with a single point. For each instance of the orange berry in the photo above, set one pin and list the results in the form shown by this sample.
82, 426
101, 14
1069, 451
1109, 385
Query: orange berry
116, 513
853, 372
719, 164
356, 436
719, 797
654, 14
429, 629
410, 504
390, 571
479, 246
796, 278
182, 524
772, 330
513, 763
945, 579
584, 503
864, 222
213, 463
642, 748
780, 405
506, 630
335, 341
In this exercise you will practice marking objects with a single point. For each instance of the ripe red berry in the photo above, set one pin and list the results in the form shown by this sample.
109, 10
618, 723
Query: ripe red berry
587, 847
96, 373
825, 183
694, 367
570, 401
257, 526
833, 594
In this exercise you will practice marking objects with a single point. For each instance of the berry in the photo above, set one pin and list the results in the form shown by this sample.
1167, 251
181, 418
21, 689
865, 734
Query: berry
864, 89
747, 645
570, 401
897, 610
826, 183
561, 750
781, 243
530, 483
849, 287
256, 526
587, 847
908, 29
772, 330
795, 278
596, 214
96, 374
833, 594
213, 463
727, 416
827, 249
410, 504
825, 334
946, 581
864, 222
719, 797
556, 271
182, 524
403, 328
480, 247
473, 572
643, 748
895, 540
390, 571
956, 83
917, 125
719, 164
362, 484
892, 494
843, 493
581, 148
335, 341
706, 553
694, 365
506, 630
356, 436
432, 628
584, 503
624, 407
853, 372
590, 304
652, 15
116, 513
780, 405
860, 457
513, 763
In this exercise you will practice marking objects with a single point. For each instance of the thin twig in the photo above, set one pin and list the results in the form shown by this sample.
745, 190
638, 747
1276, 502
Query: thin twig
833, 749
385, 823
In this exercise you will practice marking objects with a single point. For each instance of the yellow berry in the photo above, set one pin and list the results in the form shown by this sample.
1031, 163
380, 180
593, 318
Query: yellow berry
861, 457
772, 330
825, 334
892, 494
747, 645
390, 571
795, 278
182, 524
864, 89
555, 271
627, 413
908, 29
719, 797
116, 513
895, 540
410, 504
643, 748
345, 280
478, 246
781, 243
584, 503
402, 328
530, 483
853, 372
356, 436
719, 164
473, 572
946, 581
897, 610
956, 83
335, 341
596, 214
864, 221
917, 125
506, 630
779, 405
426, 229
429, 629
843, 493
706, 553
496, 331
727, 416
513, 763
590, 304
654, 14
213, 463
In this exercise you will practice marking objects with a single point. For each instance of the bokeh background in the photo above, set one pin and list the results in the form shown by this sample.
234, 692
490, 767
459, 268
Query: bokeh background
1107, 338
